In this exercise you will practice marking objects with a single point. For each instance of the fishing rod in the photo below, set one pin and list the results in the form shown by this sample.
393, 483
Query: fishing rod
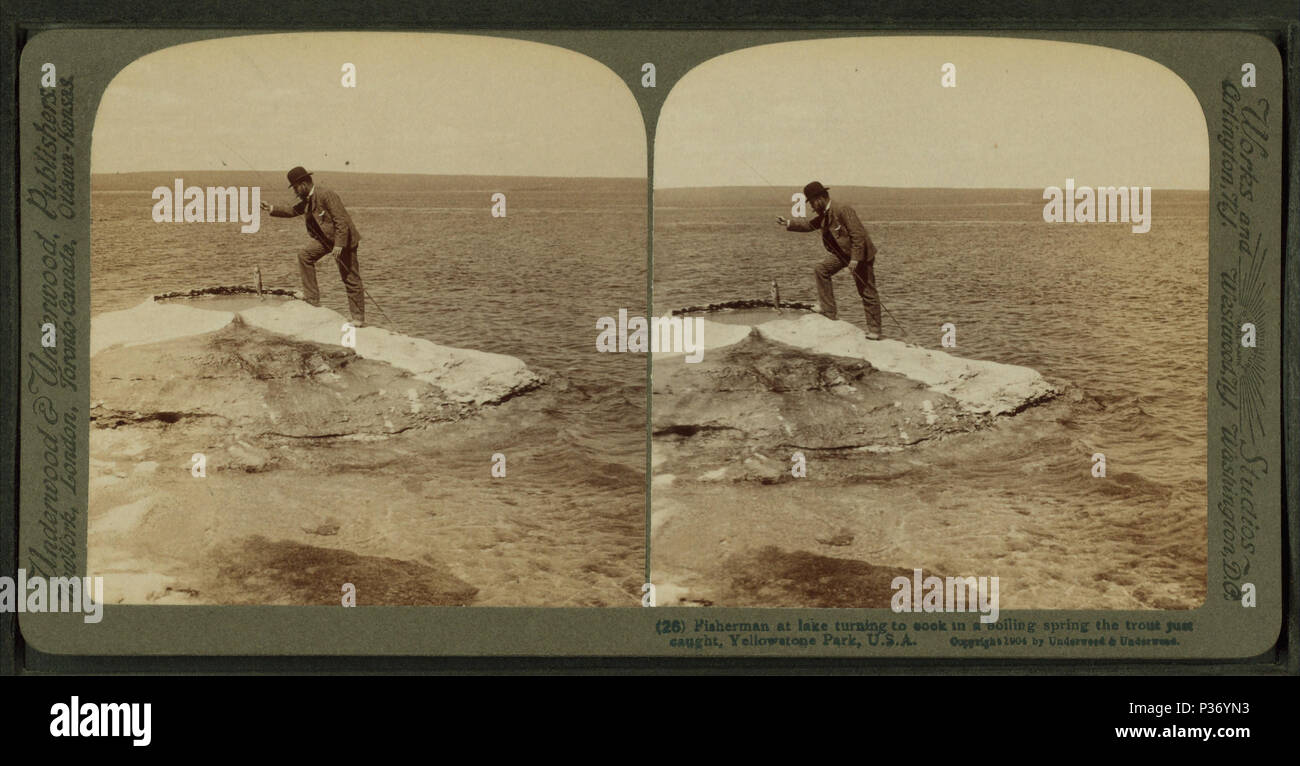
364, 292
258, 267
861, 283
257, 275
257, 264
391, 323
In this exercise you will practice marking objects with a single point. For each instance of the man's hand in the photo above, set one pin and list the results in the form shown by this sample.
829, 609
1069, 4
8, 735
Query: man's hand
782, 220
266, 206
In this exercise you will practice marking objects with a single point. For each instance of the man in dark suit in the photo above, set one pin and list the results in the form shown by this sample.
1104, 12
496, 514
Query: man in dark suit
846, 239
332, 232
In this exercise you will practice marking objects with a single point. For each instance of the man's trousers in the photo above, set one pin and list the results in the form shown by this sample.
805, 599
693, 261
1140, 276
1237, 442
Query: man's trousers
349, 270
864, 280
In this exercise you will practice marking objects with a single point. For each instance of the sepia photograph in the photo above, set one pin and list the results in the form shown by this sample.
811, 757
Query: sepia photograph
342, 290
895, 341
952, 294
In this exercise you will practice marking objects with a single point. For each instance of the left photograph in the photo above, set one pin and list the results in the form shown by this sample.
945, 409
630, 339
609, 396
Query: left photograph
342, 347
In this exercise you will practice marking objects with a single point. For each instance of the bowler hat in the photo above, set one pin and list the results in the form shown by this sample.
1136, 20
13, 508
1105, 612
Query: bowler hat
814, 190
298, 174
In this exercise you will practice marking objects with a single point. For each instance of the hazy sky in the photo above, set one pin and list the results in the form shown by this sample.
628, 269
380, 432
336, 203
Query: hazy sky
424, 103
871, 112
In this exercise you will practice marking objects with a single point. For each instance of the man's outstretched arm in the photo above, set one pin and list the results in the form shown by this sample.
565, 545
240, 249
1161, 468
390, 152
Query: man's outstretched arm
284, 211
799, 224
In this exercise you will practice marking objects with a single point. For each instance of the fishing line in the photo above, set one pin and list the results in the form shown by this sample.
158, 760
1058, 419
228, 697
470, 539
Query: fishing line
248, 166
364, 291
882, 303
368, 295
855, 274
760, 175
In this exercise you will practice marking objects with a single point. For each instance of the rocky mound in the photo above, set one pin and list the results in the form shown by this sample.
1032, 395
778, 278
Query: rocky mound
799, 464
461, 375
250, 380
804, 381
979, 386
764, 392
320, 461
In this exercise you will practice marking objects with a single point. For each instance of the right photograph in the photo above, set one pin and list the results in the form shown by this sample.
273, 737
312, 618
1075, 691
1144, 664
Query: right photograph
949, 297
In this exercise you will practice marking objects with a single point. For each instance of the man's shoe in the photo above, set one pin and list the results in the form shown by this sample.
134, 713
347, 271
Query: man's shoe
358, 323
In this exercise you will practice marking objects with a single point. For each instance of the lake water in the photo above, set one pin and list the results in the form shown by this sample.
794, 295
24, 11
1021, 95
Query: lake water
530, 285
1118, 318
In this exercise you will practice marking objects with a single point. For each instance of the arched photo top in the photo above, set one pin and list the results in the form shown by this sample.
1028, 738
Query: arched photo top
375, 102
951, 112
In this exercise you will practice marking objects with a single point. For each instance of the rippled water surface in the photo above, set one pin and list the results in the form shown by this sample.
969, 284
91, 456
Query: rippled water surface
1118, 318
531, 285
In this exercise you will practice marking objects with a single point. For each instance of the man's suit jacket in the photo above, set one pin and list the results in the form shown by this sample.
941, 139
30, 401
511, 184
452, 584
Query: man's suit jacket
328, 221
842, 232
